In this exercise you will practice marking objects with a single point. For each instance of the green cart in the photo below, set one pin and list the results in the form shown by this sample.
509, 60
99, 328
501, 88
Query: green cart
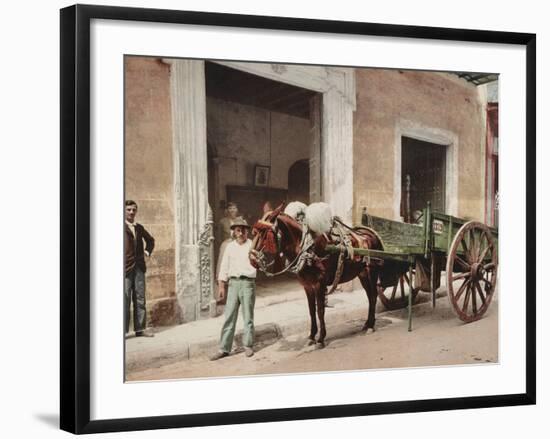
414, 256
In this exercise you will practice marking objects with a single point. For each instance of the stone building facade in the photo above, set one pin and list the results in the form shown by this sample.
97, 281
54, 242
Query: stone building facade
184, 148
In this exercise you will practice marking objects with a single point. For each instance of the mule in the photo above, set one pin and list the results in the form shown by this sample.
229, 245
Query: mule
278, 233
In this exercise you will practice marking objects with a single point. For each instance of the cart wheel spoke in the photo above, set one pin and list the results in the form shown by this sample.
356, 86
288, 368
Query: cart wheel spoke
463, 263
462, 289
393, 292
466, 298
480, 246
480, 240
483, 254
480, 292
472, 246
461, 276
488, 247
488, 285
474, 298
393, 300
465, 249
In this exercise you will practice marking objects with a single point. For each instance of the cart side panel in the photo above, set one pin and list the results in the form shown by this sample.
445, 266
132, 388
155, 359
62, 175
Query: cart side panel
445, 228
397, 236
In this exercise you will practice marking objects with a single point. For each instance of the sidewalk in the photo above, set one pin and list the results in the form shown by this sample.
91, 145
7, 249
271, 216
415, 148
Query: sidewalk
275, 316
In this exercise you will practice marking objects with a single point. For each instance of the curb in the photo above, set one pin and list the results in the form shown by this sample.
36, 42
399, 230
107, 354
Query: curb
265, 334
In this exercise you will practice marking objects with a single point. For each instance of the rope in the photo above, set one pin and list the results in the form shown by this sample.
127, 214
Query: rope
284, 270
345, 245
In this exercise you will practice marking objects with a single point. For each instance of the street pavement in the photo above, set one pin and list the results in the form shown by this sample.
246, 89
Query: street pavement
276, 316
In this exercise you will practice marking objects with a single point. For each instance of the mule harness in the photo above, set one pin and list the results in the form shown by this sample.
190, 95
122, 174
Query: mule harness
305, 256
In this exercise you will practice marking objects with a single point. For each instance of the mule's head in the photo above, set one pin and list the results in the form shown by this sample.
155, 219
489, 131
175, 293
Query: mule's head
265, 244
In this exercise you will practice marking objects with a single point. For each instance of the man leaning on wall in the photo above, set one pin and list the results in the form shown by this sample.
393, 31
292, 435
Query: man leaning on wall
135, 236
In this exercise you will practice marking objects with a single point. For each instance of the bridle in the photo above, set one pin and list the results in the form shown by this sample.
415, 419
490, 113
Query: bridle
263, 229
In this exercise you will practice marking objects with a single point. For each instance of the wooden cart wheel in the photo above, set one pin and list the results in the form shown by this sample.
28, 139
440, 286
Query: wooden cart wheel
397, 296
472, 271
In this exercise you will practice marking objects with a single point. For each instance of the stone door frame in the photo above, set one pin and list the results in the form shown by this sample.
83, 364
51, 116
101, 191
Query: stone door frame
193, 217
447, 139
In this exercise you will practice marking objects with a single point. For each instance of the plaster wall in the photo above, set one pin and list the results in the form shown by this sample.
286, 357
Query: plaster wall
149, 176
437, 107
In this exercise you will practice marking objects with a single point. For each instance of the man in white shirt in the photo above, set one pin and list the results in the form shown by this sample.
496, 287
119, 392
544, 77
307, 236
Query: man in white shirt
235, 268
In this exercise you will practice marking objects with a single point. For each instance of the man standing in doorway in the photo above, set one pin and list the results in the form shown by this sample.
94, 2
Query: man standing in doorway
235, 268
134, 261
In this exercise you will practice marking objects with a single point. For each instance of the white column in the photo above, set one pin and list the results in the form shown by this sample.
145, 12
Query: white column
337, 154
188, 101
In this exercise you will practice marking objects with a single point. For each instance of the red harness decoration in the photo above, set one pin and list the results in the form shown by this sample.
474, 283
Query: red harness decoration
268, 244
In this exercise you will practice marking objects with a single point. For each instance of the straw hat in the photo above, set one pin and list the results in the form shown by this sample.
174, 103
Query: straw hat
239, 222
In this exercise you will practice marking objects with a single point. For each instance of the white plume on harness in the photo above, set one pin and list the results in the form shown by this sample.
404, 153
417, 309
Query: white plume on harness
319, 218
296, 210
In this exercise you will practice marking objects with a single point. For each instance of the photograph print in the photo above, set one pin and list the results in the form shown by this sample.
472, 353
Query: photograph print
284, 219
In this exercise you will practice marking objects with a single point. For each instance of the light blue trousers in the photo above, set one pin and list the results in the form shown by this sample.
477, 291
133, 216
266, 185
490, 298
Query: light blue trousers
240, 292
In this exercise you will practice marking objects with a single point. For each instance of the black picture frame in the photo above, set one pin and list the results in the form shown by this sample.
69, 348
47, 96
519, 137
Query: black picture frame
75, 217
261, 175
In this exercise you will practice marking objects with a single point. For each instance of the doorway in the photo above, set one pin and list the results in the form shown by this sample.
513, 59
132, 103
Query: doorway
264, 137
423, 177
194, 209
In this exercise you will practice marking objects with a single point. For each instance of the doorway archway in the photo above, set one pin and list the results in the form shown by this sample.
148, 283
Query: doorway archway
331, 168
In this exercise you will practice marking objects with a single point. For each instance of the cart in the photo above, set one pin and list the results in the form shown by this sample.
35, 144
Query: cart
414, 256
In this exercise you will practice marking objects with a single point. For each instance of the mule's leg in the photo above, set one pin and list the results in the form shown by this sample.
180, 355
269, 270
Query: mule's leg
320, 293
310, 293
368, 281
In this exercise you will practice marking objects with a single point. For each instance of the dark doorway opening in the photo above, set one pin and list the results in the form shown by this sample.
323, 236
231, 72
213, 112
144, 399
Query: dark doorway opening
258, 127
423, 177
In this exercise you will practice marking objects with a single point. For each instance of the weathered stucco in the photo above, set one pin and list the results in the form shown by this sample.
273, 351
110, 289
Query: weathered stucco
434, 103
149, 176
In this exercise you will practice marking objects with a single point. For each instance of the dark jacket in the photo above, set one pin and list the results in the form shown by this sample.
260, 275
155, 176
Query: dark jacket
133, 248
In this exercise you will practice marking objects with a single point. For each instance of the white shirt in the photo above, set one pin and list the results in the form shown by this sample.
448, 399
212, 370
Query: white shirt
235, 261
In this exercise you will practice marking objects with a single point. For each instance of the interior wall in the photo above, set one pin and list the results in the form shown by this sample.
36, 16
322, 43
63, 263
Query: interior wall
148, 176
439, 101
242, 136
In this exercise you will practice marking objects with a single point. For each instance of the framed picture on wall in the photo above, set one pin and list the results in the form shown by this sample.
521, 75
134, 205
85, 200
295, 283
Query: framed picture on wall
261, 176
408, 131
